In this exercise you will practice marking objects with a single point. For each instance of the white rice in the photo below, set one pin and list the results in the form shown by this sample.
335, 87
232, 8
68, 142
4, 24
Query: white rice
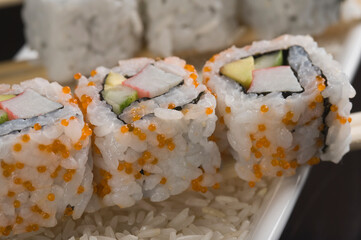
226, 213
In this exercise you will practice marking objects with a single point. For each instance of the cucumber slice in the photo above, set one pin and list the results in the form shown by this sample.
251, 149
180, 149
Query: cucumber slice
119, 97
6, 97
269, 60
240, 71
113, 79
3, 116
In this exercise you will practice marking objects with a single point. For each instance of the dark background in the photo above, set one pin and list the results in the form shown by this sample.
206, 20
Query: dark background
329, 206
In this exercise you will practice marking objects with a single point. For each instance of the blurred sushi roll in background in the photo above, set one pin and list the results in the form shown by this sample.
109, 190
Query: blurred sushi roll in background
280, 103
272, 18
153, 124
190, 26
77, 36
44, 146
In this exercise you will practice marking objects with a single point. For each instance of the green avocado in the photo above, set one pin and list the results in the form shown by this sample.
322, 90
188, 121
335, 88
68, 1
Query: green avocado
269, 60
119, 97
240, 71
113, 79
6, 97
3, 116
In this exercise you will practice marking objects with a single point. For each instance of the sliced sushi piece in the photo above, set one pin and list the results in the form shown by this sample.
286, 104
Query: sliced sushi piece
28, 104
158, 146
274, 79
152, 82
45, 175
295, 111
3, 116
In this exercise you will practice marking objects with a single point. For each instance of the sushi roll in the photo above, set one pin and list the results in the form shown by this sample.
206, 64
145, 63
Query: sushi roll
281, 103
153, 124
190, 26
77, 36
44, 145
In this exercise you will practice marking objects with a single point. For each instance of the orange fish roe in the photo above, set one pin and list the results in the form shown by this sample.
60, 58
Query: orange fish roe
86, 131
68, 211
264, 108
51, 197
17, 204
258, 154
294, 164
18, 181
279, 173
73, 100
64, 122
209, 110
284, 164
93, 73
216, 186
171, 106
319, 98
207, 69
80, 189
55, 173
17, 147
349, 120
66, 90
313, 161
196, 186
319, 78
11, 194
19, 220
128, 168
6, 230
251, 184
312, 105
77, 76
206, 80
155, 161
189, 68
342, 120
333, 108
275, 162
25, 138
296, 148
85, 101
193, 76
228, 109
78, 146
163, 180
142, 136
251, 136
91, 83
213, 58
19, 165
138, 175
321, 87
152, 127
41, 169
171, 146
136, 131
37, 126
261, 127
124, 129
29, 186
121, 166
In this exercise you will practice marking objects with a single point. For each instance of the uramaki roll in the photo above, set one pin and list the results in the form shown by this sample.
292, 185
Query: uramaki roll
151, 120
281, 103
44, 145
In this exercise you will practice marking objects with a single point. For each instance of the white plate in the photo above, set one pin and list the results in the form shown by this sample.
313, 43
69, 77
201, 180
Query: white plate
276, 210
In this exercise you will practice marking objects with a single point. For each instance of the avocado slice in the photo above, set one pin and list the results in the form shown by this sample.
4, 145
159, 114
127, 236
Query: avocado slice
113, 79
269, 60
6, 97
3, 116
119, 97
240, 71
